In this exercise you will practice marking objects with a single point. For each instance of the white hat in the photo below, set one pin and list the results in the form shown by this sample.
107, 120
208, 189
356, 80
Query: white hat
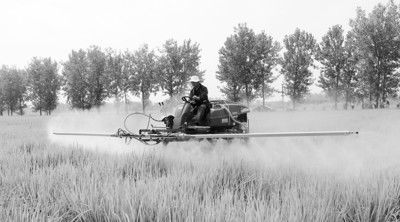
194, 79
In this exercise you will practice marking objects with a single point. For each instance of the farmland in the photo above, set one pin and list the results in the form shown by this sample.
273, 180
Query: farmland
43, 178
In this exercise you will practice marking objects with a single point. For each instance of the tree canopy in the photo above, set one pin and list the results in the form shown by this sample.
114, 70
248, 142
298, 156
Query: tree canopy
296, 64
245, 63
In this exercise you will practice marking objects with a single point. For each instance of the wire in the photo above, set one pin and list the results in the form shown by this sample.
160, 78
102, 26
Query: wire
121, 133
137, 113
231, 115
127, 133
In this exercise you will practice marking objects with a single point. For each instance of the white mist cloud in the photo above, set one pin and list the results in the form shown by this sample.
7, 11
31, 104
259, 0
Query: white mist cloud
375, 149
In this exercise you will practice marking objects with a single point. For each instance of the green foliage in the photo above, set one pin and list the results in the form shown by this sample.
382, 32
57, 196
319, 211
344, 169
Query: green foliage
297, 59
245, 63
13, 89
331, 55
268, 57
114, 73
377, 41
350, 83
127, 72
364, 65
237, 59
76, 84
144, 80
87, 82
43, 84
2, 95
177, 64
98, 83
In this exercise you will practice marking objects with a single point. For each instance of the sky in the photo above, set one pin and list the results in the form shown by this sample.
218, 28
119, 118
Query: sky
52, 28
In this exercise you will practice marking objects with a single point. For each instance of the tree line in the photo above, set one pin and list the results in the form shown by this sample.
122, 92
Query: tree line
90, 76
360, 65
94, 75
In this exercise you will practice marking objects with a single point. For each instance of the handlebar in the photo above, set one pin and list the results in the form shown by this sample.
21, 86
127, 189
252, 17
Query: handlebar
186, 99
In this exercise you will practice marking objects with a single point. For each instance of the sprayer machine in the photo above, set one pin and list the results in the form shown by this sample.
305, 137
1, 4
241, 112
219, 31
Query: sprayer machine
225, 120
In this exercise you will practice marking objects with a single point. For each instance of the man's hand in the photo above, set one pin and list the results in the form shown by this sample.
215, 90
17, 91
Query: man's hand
196, 98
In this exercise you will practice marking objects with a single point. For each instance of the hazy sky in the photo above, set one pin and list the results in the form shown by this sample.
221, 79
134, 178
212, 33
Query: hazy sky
54, 27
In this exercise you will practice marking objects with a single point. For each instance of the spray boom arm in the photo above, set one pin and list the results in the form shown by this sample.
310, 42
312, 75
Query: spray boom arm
152, 137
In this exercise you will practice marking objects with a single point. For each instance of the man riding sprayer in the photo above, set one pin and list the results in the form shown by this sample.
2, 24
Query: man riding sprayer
199, 100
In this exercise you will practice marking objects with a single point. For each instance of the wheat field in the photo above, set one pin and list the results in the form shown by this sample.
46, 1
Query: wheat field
287, 179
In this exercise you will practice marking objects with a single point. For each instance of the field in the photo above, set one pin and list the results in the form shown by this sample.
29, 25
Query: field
354, 178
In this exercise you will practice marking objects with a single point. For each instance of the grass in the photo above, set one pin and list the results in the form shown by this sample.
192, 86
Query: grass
44, 181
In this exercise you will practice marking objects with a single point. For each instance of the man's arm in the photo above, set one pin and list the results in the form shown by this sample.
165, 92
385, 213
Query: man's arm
203, 94
191, 94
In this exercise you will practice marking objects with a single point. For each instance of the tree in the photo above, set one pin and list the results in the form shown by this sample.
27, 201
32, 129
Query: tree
245, 63
268, 58
87, 83
349, 76
228, 70
331, 55
297, 59
98, 83
114, 73
237, 59
43, 84
144, 80
13, 89
378, 46
127, 73
2, 98
177, 64
76, 80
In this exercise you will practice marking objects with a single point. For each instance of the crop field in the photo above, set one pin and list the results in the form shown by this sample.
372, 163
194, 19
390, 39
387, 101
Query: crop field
351, 178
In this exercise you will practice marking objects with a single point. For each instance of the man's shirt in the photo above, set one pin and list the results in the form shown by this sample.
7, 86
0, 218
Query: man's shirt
200, 91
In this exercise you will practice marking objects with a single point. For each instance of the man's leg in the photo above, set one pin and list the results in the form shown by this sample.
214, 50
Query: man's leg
200, 115
188, 117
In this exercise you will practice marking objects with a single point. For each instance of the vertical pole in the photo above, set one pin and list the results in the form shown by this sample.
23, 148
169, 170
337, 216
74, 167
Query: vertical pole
283, 98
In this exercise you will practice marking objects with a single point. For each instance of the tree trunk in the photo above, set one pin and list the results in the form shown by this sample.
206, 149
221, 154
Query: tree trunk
40, 111
384, 90
235, 94
116, 97
145, 97
336, 100
294, 99
337, 89
263, 93
378, 88
283, 98
377, 100
247, 94
143, 103
125, 99
20, 108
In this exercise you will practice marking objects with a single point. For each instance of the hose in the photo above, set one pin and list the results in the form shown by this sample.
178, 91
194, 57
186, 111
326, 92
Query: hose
233, 119
137, 113
231, 115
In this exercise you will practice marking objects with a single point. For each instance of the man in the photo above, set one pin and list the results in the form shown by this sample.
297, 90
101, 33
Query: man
199, 101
